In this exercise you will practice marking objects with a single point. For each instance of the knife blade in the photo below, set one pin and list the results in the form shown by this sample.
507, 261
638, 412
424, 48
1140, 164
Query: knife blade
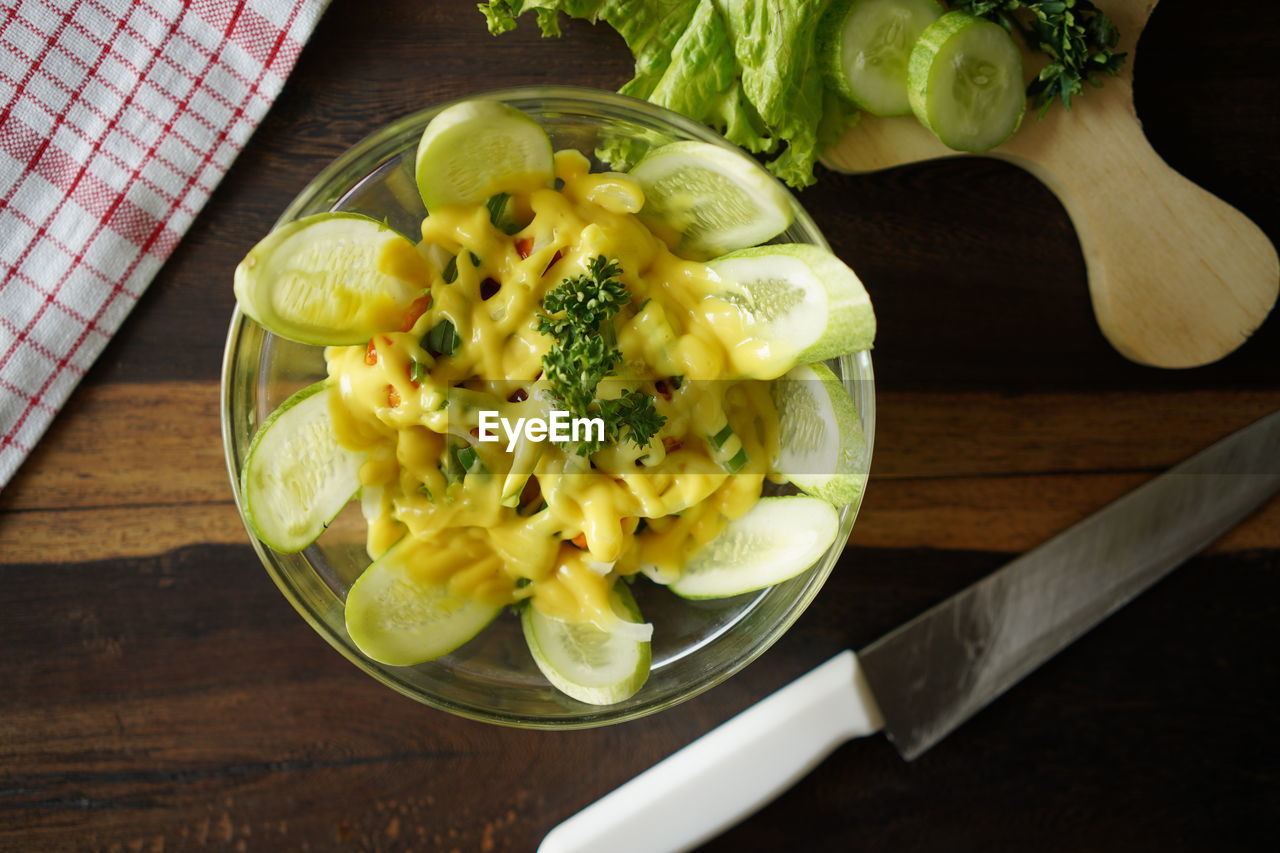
925, 678
936, 671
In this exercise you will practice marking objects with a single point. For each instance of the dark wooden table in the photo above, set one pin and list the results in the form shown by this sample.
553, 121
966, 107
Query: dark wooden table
158, 693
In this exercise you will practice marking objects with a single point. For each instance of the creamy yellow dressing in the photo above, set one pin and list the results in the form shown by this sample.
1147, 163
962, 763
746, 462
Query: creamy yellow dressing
507, 529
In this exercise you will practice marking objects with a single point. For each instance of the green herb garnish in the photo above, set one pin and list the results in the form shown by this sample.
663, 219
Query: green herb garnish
502, 214
584, 302
1076, 35
577, 314
631, 417
442, 340
460, 459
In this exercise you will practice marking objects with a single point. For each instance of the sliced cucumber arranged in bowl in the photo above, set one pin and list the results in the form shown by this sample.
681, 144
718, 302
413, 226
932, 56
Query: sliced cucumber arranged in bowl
965, 82
803, 302
866, 47
709, 200
330, 279
822, 450
476, 149
397, 617
297, 477
776, 540
345, 280
591, 665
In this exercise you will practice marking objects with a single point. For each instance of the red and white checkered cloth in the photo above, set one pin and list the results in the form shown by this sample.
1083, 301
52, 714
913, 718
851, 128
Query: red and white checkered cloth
117, 119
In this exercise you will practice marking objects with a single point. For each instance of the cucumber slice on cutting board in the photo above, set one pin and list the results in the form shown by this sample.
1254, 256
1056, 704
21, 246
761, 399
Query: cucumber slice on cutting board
822, 450
802, 302
964, 81
593, 666
398, 618
708, 200
776, 540
296, 476
866, 46
321, 280
476, 149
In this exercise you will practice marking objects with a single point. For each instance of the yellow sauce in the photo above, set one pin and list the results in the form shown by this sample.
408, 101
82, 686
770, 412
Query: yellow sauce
487, 534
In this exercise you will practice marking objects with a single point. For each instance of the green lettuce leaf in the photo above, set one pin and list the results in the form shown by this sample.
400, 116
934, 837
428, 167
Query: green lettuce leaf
774, 45
745, 67
650, 28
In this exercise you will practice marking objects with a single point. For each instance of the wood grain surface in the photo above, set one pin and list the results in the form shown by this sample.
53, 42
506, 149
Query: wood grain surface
158, 693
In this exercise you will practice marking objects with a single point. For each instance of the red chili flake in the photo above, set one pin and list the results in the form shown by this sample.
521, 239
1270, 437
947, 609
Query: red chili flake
671, 443
393, 396
416, 310
489, 288
524, 246
580, 541
479, 433
557, 256
531, 491
370, 354
518, 396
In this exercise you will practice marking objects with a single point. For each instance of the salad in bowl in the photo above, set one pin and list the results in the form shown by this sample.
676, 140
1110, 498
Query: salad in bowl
567, 426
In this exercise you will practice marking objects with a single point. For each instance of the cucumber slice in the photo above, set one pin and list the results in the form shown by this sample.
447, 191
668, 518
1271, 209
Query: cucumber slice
965, 82
866, 46
593, 666
804, 305
776, 540
296, 476
476, 149
317, 280
822, 448
709, 200
400, 619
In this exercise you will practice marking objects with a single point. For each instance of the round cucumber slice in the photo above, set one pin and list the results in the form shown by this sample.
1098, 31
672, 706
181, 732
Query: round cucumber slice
296, 476
866, 46
964, 81
709, 200
822, 449
593, 666
776, 540
476, 149
804, 305
318, 280
398, 618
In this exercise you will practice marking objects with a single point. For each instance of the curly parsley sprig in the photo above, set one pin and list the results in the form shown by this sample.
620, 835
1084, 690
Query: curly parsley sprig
1076, 35
577, 313
631, 417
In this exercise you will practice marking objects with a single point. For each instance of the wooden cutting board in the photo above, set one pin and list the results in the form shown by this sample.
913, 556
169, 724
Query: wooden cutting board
1177, 276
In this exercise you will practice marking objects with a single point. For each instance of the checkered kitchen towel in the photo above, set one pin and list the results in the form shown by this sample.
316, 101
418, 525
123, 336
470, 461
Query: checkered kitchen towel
117, 119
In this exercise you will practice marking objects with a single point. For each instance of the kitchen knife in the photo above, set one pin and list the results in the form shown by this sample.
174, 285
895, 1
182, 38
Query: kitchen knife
925, 678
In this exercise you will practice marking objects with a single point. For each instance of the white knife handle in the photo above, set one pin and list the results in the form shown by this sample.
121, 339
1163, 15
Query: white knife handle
729, 772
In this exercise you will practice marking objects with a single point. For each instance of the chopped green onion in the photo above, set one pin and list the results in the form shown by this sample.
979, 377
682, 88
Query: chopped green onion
719, 440
442, 340
738, 461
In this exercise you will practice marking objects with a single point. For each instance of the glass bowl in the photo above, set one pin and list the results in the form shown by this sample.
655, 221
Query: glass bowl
696, 644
